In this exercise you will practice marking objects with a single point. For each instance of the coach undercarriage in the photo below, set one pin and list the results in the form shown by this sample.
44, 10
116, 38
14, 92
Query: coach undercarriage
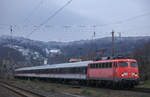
119, 84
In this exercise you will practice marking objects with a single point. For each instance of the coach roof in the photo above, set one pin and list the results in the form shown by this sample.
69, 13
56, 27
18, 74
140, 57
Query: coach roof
62, 65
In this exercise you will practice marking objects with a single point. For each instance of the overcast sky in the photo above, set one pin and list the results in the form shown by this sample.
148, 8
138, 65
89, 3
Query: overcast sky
75, 21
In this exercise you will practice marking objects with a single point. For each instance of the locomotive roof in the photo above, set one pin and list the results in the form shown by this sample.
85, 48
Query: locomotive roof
62, 65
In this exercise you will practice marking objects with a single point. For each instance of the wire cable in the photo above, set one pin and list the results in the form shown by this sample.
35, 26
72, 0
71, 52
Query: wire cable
50, 17
127, 20
32, 12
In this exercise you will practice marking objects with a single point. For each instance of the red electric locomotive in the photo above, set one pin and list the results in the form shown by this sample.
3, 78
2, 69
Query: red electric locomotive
119, 72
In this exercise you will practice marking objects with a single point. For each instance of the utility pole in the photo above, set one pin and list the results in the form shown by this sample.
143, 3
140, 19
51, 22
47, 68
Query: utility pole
119, 48
92, 42
113, 43
11, 33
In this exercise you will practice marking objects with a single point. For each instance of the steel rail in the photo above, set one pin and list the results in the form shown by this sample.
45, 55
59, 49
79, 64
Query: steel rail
20, 91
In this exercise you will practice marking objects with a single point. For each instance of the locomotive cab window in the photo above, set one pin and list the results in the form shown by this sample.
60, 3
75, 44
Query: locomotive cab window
133, 64
123, 64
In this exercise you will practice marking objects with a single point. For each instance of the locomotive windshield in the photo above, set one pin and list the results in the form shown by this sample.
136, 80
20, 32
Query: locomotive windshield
133, 64
123, 64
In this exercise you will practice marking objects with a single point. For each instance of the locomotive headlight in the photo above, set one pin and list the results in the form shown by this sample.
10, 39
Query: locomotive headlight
134, 74
124, 74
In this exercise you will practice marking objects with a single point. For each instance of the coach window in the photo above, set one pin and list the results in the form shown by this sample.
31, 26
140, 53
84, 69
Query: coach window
60, 70
96, 65
31, 71
83, 71
80, 70
110, 65
99, 65
41, 71
103, 65
77, 70
72, 70
64, 70
49, 70
44, 71
22, 71
91, 65
67, 71
106, 65
36, 71
52, 71
57, 70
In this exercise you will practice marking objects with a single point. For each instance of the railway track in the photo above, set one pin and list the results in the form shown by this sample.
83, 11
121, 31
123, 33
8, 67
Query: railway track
20, 91
143, 90
27, 93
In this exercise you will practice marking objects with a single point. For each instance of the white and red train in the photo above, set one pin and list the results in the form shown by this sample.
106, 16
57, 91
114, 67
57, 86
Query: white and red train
112, 72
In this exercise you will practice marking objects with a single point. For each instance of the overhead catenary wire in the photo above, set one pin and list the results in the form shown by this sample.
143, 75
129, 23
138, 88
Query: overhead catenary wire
83, 26
127, 20
49, 18
33, 11
108, 24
